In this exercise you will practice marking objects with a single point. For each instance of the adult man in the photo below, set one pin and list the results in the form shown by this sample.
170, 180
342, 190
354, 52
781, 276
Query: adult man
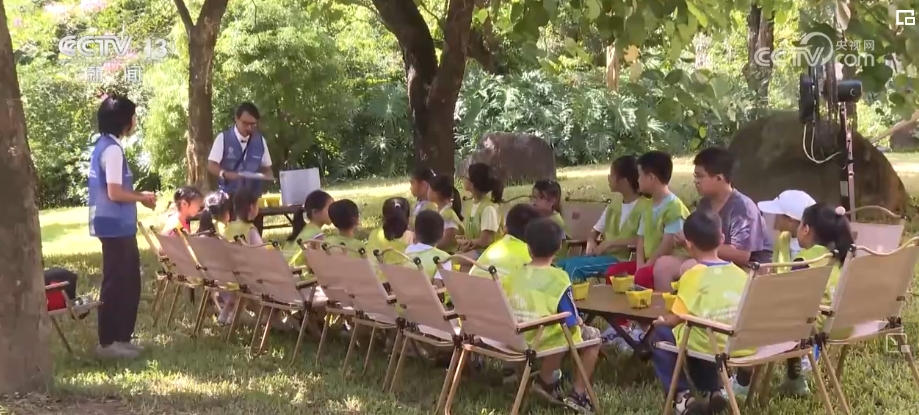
240, 149
113, 219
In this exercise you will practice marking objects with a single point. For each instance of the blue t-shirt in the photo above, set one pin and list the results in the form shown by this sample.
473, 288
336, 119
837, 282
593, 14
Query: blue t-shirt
566, 303
670, 228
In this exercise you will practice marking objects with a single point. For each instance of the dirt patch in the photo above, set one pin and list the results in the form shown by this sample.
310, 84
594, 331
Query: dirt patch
43, 405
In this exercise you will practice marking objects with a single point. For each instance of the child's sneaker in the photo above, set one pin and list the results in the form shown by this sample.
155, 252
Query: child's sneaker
795, 387
580, 402
552, 393
686, 404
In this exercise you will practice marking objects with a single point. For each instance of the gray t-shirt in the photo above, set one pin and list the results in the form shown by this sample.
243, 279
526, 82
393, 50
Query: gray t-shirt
743, 226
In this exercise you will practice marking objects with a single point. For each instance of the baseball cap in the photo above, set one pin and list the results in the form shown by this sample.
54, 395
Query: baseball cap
790, 203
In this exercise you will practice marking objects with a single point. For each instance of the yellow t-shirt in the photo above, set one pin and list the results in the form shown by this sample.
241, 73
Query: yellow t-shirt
506, 255
710, 291
349, 242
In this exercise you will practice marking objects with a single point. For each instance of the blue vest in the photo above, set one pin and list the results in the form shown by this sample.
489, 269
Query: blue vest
232, 151
109, 219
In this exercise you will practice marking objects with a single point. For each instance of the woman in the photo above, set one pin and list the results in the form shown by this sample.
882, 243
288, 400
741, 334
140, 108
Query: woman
113, 219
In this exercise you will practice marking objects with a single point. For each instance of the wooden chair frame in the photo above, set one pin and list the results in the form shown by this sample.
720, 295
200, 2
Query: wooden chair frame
875, 319
71, 309
473, 343
740, 336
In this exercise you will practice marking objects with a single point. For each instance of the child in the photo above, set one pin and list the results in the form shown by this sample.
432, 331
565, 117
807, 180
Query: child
547, 199
822, 230
315, 209
482, 221
510, 252
245, 207
659, 224
788, 209
444, 195
538, 290
746, 238
429, 229
394, 233
617, 229
711, 290
346, 217
216, 214
188, 202
420, 186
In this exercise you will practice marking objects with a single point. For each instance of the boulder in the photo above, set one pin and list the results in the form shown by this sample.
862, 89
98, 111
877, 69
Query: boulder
905, 139
516, 158
770, 159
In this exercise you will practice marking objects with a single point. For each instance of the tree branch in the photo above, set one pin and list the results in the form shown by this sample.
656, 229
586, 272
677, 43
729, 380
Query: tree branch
449, 76
185, 15
212, 10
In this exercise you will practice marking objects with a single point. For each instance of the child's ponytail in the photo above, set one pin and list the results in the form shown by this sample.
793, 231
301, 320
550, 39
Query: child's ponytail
831, 229
206, 222
497, 190
297, 225
396, 214
456, 203
216, 205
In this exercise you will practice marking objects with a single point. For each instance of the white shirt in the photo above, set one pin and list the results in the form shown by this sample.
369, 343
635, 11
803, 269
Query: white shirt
217, 149
627, 209
416, 248
112, 161
489, 218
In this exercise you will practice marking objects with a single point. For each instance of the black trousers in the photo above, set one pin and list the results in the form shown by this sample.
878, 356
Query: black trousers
120, 289
56, 275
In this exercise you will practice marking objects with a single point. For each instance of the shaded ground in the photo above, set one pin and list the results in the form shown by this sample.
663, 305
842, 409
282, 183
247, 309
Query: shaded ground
178, 376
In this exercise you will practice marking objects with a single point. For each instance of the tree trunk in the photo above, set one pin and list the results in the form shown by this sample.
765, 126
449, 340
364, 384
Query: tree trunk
760, 36
432, 90
613, 65
202, 39
25, 357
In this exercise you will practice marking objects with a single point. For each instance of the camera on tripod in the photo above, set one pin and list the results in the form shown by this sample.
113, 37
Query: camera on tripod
814, 80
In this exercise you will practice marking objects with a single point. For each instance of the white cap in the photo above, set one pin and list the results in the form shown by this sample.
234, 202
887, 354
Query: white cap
790, 203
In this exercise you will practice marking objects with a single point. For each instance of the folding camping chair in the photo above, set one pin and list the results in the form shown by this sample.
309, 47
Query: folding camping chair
266, 274
423, 319
777, 322
866, 305
71, 308
878, 237
162, 274
219, 270
331, 286
580, 217
373, 307
490, 328
181, 269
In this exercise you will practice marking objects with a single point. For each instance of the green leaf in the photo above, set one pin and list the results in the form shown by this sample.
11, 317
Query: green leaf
897, 99
593, 9
695, 143
703, 131
703, 19
635, 28
674, 77
480, 15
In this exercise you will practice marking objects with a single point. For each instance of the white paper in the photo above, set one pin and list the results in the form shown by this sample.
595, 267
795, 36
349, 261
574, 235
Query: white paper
297, 184
255, 176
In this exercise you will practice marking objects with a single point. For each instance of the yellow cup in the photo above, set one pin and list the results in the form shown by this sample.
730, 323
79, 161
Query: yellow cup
675, 285
639, 299
622, 284
580, 291
668, 300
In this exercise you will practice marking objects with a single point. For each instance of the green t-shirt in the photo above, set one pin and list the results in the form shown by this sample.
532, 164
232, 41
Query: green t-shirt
814, 252
349, 242
713, 292
507, 255
534, 293
615, 228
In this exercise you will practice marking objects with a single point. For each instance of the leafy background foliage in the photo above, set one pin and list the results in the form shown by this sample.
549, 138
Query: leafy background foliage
328, 79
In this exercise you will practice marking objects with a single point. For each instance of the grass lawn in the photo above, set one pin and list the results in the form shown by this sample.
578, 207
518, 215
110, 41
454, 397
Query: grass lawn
178, 376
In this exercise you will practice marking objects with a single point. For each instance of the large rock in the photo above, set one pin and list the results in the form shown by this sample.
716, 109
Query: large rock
771, 159
516, 158
905, 139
